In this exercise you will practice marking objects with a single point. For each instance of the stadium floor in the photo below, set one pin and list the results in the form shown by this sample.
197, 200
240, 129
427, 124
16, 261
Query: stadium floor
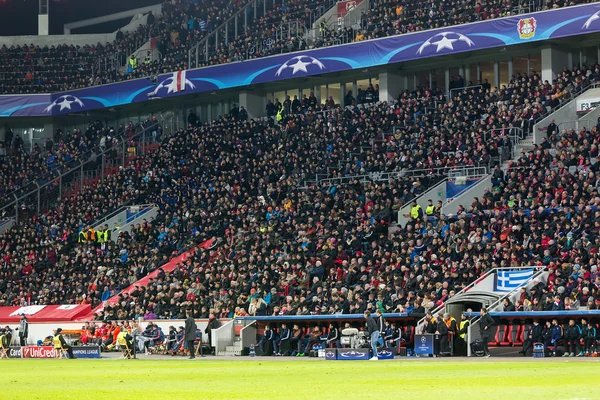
163, 377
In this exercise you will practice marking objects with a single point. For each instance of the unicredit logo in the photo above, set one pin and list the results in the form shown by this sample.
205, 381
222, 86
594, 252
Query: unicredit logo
39, 352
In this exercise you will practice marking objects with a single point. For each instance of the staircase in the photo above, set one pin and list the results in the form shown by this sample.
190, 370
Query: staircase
231, 338
513, 295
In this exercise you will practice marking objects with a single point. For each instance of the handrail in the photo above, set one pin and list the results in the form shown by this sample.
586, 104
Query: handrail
120, 210
536, 274
463, 290
476, 320
381, 176
572, 95
225, 24
462, 89
79, 172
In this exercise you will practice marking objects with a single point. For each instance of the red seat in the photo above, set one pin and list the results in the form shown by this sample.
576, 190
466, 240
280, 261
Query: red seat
498, 336
507, 339
518, 338
238, 330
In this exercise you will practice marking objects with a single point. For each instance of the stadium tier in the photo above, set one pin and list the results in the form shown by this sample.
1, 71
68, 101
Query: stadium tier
31, 68
314, 190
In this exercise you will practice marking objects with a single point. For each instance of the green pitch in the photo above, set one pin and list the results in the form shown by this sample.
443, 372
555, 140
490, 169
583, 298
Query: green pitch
287, 379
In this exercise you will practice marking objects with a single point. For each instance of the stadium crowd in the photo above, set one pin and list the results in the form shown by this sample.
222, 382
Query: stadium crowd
24, 166
288, 248
34, 69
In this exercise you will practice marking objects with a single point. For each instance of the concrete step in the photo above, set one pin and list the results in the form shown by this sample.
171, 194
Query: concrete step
236, 347
229, 353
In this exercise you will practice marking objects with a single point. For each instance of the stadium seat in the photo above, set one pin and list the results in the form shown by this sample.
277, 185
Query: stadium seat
507, 338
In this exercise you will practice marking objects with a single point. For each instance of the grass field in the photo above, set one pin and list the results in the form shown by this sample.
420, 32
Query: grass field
283, 379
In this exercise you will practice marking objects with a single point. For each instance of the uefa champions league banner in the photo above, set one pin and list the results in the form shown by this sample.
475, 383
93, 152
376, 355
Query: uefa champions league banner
502, 32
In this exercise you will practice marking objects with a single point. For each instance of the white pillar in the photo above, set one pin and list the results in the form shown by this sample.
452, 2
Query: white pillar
389, 86
553, 62
43, 25
468, 75
510, 69
254, 103
318, 94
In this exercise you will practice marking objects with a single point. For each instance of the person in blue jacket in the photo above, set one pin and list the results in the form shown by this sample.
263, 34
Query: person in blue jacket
556, 335
283, 345
267, 337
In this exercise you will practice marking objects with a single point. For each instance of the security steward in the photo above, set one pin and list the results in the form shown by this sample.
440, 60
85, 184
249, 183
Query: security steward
416, 212
133, 62
430, 209
461, 341
452, 330
82, 236
125, 341
60, 343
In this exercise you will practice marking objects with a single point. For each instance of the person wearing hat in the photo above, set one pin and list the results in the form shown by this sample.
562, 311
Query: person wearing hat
61, 344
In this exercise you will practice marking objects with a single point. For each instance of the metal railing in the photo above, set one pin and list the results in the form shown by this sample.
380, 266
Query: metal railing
386, 176
453, 92
571, 95
475, 321
435, 311
235, 25
90, 169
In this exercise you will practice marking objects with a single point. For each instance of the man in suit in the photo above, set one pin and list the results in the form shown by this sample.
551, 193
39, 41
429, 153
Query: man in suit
485, 330
535, 336
190, 334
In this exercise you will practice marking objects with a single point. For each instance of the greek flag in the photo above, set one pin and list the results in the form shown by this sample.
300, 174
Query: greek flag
507, 281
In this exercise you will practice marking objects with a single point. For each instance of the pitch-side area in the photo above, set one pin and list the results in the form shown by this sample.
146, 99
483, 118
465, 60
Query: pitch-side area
162, 377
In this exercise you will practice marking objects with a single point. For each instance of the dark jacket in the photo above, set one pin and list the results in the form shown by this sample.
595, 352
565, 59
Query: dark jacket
380, 324
442, 328
535, 333
486, 322
557, 333
371, 325
190, 330
212, 324
333, 334
572, 332
286, 334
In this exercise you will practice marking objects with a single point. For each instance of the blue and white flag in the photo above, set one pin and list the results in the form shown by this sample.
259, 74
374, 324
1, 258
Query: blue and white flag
507, 281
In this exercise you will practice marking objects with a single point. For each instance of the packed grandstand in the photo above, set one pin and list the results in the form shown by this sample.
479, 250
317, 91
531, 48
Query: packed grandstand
274, 213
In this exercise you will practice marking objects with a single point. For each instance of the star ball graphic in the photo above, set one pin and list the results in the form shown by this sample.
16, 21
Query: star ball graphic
64, 102
445, 40
299, 64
